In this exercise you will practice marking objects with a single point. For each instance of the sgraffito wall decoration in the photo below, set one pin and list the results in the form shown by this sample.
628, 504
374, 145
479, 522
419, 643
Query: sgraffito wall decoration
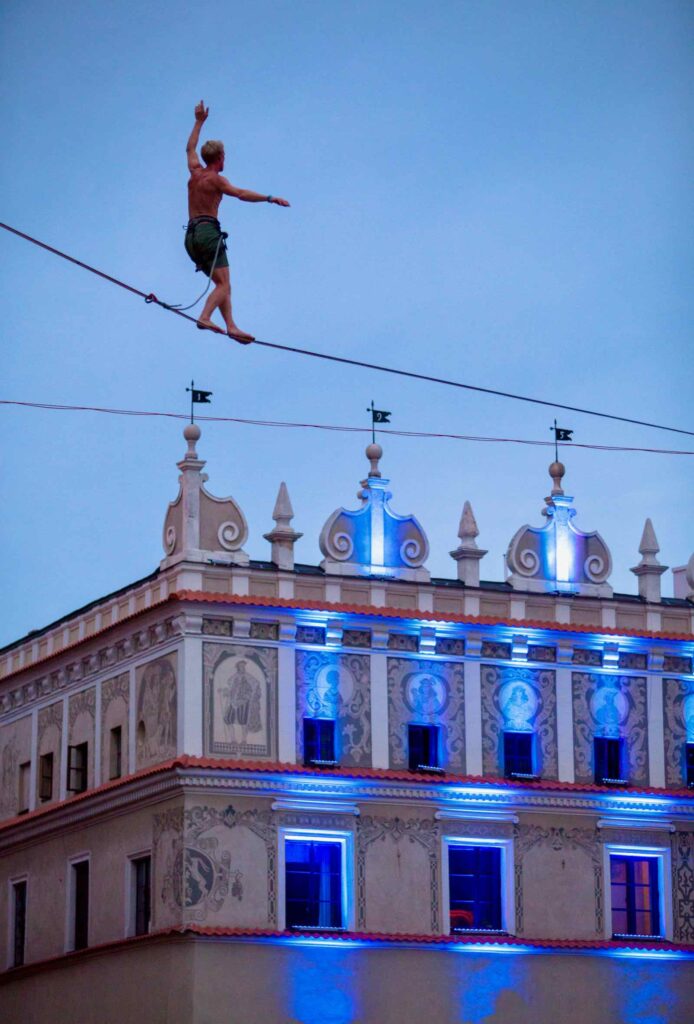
240, 695
156, 711
205, 858
678, 716
427, 693
558, 874
615, 707
337, 687
81, 725
519, 700
15, 750
683, 885
397, 855
115, 700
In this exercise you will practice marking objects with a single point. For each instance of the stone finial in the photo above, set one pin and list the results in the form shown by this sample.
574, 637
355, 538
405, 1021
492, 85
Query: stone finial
374, 453
283, 537
467, 554
557, 471
649, 570
199, 527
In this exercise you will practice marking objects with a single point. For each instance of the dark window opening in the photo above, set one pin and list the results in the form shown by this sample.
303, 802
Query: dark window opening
690, 764
80, 883
313, 884
46, 777
518, 755
19, 909
635, 896
142, 881
319, 741
24, 785
115, 756
474, 878
77, 768
608, 761
423, 748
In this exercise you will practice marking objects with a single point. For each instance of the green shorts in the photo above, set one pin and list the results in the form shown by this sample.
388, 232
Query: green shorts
203, 236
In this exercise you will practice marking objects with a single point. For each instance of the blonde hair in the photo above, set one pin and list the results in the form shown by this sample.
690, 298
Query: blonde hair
212, 150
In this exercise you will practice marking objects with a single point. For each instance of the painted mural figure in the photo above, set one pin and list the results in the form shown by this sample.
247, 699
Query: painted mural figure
156, 712
425, 696
324, 697
518, 710
609, 708
242, 697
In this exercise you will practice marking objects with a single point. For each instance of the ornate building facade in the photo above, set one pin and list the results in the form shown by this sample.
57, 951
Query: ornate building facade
272, 792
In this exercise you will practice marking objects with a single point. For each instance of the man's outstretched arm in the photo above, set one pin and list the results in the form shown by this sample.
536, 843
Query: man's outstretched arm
246, 196
192, 143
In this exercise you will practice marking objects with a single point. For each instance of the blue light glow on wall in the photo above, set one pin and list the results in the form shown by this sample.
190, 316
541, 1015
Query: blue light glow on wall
321, 985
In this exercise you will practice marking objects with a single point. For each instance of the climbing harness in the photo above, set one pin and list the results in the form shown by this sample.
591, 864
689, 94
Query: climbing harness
190, 227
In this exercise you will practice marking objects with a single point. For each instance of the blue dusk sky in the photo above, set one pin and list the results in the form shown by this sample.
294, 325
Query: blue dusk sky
495, 191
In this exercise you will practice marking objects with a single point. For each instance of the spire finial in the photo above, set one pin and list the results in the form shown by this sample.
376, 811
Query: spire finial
467, 554
191, 432
649, 570
283, 537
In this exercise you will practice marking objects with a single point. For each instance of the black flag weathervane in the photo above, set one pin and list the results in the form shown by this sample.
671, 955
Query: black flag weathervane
197, 397
377, 416
560, 434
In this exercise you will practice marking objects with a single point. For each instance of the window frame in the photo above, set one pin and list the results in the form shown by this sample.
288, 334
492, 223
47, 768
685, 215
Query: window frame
508, 900
83, 769
530, 736
689, 764
12, 882
319, 762
71, 902
434, 731
115, 753
131, 892
47, 758
663, 855
608, 780
24, 787
305, 835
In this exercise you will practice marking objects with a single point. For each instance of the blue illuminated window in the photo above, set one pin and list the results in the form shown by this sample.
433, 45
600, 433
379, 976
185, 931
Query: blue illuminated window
423, 747
635, 896
608, 760
313, 884
474, 884
518, 755
690, 764
319, 741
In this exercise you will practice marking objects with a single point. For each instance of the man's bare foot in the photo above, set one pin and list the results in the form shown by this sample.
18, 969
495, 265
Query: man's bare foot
207, 325
241, 336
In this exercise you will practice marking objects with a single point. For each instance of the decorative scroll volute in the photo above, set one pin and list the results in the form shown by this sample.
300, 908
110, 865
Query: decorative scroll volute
374, 540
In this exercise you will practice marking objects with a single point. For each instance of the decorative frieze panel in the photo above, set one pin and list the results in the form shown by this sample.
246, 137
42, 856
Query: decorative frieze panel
217, 627
676, 663
403, 642
197, 857
356, 638
451, 645
240, 701
678, 716
382, 843
615, 707
560, 866
587, 656
518, 700
337, 687
633, 659
427, 693
264, 630
310, 635
494, 649
683, 886
156, 711
538, 652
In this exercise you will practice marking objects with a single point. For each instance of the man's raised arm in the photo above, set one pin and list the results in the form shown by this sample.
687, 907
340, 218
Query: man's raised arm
192, 143
246, 196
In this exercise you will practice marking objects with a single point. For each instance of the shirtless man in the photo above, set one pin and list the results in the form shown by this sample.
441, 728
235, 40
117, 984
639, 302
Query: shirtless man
206, 187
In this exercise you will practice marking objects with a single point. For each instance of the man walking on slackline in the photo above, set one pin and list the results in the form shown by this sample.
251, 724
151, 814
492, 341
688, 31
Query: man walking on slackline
206, 186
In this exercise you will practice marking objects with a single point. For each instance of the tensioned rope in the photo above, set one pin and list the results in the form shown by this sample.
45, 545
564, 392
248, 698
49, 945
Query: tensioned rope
335, 427
344, 360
